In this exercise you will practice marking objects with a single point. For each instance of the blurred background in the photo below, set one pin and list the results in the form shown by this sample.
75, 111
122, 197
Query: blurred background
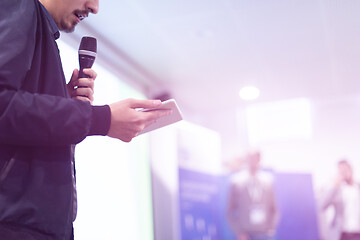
278, 76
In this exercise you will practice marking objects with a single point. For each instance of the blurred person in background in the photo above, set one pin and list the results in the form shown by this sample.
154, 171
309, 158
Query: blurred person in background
252, 211
344, 197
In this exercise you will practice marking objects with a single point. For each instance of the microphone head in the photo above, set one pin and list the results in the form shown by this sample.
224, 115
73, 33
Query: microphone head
87, 54
88, 44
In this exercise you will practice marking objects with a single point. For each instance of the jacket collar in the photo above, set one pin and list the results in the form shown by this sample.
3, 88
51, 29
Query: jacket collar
53, 27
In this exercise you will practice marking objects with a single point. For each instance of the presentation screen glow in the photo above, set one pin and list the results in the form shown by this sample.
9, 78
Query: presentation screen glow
288, 119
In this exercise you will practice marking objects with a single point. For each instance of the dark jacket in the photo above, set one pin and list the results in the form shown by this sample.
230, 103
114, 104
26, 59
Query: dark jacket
39, 123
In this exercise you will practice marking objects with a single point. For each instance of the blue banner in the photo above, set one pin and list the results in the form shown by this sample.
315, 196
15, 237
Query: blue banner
199, 205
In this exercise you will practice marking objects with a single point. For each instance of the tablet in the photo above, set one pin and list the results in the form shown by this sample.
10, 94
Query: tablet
174, 117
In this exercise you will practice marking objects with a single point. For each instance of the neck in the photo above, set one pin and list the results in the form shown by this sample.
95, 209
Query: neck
52, 8
350, 182
44, 2
48, 5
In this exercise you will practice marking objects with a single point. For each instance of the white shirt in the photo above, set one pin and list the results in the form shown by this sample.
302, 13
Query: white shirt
351, 199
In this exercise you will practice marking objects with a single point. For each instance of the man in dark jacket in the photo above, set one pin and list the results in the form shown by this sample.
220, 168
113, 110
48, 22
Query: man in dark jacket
41, 118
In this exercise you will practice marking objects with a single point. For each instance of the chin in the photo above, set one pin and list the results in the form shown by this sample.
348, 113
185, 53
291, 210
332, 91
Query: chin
69, 28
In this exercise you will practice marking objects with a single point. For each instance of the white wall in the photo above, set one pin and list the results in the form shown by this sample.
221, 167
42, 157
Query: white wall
335, 133
113, 178
183, 145
164, 168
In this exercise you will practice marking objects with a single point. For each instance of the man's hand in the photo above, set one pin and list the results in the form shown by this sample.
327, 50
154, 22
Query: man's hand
82, 88
127, 121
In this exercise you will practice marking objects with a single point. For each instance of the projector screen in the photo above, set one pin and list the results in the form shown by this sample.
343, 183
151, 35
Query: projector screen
113, 178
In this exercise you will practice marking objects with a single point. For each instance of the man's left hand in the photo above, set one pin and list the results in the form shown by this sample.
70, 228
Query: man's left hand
82, 88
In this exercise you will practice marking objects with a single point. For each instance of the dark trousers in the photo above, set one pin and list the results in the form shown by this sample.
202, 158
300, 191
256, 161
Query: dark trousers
350, 236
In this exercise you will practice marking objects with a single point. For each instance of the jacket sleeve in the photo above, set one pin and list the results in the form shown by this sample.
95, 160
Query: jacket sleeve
232, 209
32, 119
274, 210
329, 197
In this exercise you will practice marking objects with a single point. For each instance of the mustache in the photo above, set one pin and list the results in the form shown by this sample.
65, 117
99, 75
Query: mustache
81, 14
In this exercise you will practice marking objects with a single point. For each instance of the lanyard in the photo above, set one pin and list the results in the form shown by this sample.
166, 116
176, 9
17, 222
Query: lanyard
255, 190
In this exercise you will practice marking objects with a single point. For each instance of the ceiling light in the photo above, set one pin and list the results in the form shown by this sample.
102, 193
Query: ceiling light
249, 93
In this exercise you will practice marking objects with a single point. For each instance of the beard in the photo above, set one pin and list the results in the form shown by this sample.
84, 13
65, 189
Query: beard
69, 28
68, 24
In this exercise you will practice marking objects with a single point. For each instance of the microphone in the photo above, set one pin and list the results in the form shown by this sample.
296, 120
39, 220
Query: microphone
87, 54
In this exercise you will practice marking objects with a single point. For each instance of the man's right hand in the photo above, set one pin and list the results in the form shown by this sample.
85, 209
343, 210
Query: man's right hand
127, 122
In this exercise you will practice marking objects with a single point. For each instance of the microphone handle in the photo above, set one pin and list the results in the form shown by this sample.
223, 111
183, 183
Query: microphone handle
85, 62
82, 74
